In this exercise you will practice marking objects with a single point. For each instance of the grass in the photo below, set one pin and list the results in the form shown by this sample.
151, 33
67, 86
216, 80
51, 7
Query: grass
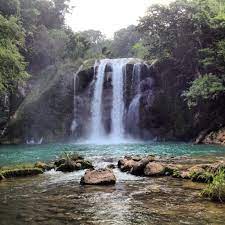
216, 189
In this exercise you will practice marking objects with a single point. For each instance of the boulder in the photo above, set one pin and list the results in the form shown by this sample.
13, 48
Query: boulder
139, 166
98, 177
125, 165
134, 164
72, 162
154, 169
69, 166
59, 162
201, 168
43, 166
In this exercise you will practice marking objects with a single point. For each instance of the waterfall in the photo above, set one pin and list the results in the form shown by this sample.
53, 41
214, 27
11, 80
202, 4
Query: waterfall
117, 112
97, 130
136, 79
118, 101
133, 115
75, 85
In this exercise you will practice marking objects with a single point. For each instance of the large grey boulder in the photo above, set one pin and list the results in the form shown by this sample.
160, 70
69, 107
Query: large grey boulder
98, 177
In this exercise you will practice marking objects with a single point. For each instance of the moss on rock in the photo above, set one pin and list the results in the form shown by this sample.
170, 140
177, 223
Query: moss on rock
21, 172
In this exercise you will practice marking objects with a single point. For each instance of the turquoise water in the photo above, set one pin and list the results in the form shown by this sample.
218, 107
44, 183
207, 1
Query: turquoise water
58, 198
14, 154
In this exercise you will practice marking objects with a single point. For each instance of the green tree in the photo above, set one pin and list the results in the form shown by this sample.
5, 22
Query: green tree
9, 7
124, 40
12, 65
204, 88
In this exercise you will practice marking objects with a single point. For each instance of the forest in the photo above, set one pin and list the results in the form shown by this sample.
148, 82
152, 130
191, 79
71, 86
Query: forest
124, 129
34, 36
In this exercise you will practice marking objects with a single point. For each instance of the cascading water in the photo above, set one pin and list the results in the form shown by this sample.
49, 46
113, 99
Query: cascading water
133, 115
136, 79
97, 131
117, 114
75, 84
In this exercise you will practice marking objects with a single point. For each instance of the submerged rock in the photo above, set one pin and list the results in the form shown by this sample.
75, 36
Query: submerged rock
98, 177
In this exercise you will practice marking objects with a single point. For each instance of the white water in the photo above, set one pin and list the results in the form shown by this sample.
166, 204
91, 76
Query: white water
75, 84
97, 130
136, 78
117, 114
117, 133
117, 126
133, 115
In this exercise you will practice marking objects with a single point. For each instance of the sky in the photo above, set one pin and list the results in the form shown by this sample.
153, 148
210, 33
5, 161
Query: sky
107, 16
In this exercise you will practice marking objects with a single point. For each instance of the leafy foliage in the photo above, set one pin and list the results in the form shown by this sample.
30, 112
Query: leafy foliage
207, 87
9, 7
191, 33
12, 65
124, 40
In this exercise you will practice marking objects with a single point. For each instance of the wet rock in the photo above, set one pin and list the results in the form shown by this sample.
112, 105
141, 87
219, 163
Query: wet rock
134, 164
202, 177
59, 162
98, 177
125, 165
21, 172
201, 168
170, 169
1, 177
111, 166
72, 162
69, 166
154, 169
43, 166
138, 167
216, 167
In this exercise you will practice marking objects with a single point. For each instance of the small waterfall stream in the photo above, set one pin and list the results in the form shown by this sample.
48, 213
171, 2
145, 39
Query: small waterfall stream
97, 131
133, 115
75, 85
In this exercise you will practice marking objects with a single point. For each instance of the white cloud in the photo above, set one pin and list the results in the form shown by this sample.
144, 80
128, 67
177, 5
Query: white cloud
107, 16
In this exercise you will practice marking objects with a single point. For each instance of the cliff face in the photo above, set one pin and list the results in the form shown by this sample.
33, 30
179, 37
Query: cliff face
51, 111
46, 110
